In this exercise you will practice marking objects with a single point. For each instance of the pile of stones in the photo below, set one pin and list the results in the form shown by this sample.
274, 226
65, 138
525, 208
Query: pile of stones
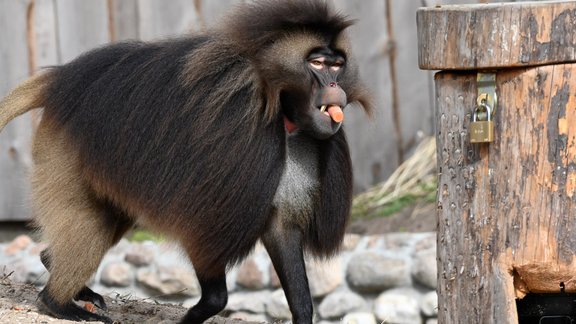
387, 278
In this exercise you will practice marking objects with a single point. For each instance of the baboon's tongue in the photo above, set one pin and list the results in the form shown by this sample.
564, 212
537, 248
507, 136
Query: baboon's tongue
336, 113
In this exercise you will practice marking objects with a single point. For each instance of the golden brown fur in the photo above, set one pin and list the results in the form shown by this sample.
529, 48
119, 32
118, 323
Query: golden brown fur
69, 214
25, 97
65, 207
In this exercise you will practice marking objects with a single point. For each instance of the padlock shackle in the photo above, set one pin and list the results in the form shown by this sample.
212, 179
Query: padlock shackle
477, 110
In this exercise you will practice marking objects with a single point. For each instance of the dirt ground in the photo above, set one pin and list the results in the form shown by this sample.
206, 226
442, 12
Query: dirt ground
18, 306
413, 219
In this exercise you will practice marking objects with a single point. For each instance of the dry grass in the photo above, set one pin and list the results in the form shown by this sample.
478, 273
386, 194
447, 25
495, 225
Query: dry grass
413, 181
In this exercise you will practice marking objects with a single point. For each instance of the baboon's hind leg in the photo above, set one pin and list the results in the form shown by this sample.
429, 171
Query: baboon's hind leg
212, 280
78, 226
76, 247
86, 294
213, 300
73, 257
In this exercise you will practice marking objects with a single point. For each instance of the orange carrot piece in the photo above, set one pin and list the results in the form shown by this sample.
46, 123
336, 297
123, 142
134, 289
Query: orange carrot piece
336, 113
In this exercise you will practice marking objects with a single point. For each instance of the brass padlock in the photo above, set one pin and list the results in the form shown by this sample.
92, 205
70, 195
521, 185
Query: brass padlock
482, 131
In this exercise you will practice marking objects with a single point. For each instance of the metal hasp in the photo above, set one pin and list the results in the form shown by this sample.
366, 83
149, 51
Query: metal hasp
482, 124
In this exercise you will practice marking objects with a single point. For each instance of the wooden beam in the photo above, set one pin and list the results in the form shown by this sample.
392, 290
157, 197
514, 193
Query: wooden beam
487, 36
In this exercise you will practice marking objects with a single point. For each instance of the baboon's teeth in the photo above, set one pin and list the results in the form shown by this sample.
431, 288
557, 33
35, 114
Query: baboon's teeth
323, 108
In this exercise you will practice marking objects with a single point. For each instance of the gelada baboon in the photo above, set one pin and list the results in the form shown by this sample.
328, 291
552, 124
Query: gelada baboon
217, 140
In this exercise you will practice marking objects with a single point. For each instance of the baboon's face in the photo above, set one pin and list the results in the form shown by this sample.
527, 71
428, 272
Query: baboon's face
316, 104
314, 78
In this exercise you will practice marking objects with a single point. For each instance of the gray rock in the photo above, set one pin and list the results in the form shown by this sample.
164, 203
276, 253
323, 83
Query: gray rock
19, 244
254, 302
172, 280
338, 304
117, 274
277, 306
428, 241
121, 247
351, 242
27, 270
429, 304
191, 302
399, 306
36, 248
140, 254
359, 318
324, 276
424, 269
432, 321
274, 280
36, 272
170, 254
250, 275
373, 242
370, 272
399, 241
249, 317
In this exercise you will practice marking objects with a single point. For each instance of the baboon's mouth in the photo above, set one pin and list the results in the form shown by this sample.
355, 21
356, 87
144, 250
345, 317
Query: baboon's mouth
333, 111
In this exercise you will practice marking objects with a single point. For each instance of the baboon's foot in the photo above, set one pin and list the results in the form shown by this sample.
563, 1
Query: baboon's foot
88, 295
69, 311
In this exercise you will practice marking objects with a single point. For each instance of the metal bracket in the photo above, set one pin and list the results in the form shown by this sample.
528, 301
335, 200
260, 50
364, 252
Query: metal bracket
486, 83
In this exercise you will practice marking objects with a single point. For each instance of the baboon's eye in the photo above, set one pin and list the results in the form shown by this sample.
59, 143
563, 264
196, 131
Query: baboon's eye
337, 65
316, 64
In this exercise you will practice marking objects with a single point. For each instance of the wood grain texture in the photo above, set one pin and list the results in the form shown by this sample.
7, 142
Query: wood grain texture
125, 19
158, 20
496, 35
506, 209
45, 33
374, 149
81, 26
15, 159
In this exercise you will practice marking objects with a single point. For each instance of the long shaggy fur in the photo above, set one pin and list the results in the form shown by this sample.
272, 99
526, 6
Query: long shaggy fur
145, 137
138, 114
257, 25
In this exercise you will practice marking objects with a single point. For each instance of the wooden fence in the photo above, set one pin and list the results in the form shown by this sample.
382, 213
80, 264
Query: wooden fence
39, 33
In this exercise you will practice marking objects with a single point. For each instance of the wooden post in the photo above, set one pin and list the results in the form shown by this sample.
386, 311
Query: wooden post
507, 209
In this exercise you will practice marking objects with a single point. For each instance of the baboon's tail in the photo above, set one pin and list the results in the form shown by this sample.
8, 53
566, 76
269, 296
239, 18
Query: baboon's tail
25, 97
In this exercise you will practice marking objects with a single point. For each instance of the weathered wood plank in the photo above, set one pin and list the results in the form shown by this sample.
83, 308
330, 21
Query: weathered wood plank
45, 33
488, 36
372, 143
159, 19
81, 26
211, 11
415, 90
15, 138
506, 210
125, 19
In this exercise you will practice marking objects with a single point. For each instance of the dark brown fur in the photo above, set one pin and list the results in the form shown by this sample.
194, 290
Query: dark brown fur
187, 137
